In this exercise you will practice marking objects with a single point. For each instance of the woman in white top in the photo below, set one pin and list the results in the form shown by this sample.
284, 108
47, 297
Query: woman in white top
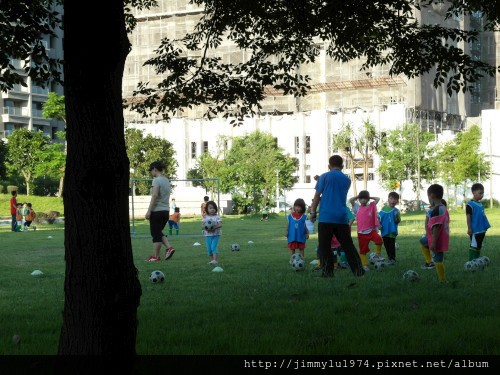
158, 211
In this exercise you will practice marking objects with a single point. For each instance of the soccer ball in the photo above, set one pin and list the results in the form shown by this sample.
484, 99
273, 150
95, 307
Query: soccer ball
379, 266
485, 259
209, 225
470, 266
296, 256
235, 247
157, 277
480, 263
396, 246
411, 276
299, 264
374, 258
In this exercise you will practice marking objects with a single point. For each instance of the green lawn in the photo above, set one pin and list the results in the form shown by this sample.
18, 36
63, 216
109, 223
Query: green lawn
259, 305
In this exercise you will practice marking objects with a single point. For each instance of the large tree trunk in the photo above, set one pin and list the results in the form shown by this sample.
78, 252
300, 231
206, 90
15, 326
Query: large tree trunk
102, 290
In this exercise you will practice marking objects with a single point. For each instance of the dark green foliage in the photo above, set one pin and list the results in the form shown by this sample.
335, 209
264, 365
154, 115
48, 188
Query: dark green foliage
280, 36
22, 24
142, 150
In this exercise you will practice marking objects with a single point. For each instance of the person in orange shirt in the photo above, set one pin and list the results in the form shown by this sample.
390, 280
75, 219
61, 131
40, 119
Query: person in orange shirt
174, 221
204, 206
29, 217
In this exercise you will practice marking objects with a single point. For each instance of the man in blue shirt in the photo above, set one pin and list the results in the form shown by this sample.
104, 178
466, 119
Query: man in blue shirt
331, 190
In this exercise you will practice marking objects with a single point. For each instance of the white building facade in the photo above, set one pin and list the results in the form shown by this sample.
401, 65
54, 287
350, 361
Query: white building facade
308, 137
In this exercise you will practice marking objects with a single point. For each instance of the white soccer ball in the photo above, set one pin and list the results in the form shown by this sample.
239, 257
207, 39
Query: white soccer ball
235, 247
411, 276
299, 264
485, 259
374, 258
380, 265
209, 225
470, 266
157, 277
296, 256
480, 263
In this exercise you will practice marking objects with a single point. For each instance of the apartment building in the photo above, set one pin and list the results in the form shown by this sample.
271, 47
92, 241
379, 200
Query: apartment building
22, 106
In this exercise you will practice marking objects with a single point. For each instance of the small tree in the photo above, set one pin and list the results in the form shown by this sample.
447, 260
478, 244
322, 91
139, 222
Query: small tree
345, 142
406, 155
460, 163
55, 108
52, 159
366, 142
207, 167
446, 156
255, 167
3, 158
142, 150
25, 149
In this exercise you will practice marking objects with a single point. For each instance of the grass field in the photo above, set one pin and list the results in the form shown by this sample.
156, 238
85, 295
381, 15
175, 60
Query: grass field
259, 305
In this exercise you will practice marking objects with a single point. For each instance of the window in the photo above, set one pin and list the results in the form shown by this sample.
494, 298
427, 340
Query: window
205, 146
297, 145
53, 42
475, 92
193, 150
308, 179
9, 128
307, 142
37, 109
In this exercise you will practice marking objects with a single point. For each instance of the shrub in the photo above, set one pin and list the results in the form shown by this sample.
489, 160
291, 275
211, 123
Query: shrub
486, 203
49, 217
52, 216
45, 186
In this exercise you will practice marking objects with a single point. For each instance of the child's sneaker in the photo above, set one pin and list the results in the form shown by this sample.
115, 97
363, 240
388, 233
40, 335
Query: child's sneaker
152, 258
428, 266
169, 252
366, 268
344, 265
214, 262
391, 262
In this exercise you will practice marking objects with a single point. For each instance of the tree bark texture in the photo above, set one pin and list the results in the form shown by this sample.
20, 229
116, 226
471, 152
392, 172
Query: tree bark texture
102, 290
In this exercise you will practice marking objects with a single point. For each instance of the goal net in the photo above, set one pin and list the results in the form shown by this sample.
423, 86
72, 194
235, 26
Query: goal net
187, 197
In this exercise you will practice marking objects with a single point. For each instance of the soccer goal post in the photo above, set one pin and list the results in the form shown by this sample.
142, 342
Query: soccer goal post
138, 204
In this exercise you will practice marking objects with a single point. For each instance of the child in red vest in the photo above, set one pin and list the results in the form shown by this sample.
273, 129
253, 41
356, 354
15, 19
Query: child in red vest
368, 226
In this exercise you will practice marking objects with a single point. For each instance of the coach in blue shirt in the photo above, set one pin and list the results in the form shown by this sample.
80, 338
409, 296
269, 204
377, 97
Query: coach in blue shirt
331, 190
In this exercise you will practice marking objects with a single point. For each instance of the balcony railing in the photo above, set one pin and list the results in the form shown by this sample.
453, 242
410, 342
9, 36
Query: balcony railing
40, 90
15, 111
37, 113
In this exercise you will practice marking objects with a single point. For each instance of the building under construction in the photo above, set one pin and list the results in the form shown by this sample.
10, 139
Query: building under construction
340, 92
336, 86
